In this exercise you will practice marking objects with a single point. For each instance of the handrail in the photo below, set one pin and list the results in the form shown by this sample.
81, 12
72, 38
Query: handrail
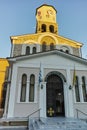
80, 112
32, 114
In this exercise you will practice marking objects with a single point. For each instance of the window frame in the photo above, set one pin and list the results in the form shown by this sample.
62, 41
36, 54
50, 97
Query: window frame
32, 99
27, 50
23, 87
77, 92
44, 47
84, 87
51, 28
34, 50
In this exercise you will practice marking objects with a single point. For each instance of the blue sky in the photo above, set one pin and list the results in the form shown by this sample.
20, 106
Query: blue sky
17, 17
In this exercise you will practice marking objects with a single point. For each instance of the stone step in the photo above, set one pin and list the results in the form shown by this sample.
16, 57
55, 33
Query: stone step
57, 124
36, 126
14, 123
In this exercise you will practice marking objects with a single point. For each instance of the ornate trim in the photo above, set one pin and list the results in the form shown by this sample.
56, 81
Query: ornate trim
57, 73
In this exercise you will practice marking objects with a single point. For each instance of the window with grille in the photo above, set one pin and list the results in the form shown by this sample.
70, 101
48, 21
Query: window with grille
43, 28
51, 28
27, 50
23, 88
31, 91
52, 46
34, 50
77, 90
84, 89
43, 46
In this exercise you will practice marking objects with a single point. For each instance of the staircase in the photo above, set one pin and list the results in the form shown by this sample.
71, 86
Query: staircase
57, 124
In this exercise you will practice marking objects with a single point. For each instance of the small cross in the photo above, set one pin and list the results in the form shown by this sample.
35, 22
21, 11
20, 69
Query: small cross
50, 111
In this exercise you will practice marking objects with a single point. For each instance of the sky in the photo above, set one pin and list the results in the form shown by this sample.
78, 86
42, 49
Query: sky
17, 17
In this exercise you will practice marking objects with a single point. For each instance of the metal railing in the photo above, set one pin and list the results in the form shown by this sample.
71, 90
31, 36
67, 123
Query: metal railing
33, 114
77, 110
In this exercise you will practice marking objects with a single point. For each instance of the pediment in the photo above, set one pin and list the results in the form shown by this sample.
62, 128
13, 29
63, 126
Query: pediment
51, 56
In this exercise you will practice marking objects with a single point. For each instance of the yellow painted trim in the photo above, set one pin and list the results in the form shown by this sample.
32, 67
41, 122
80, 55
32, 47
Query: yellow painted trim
49, 35
29, 42
28, 39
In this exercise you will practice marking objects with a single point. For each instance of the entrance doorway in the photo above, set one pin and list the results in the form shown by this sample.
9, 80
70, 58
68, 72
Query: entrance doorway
55, 96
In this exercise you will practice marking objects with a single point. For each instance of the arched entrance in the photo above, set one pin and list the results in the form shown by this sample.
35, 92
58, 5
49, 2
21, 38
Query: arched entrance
55, 96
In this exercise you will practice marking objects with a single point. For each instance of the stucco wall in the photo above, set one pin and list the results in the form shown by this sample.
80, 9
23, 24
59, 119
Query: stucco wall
76, 52
23, 109
17, 49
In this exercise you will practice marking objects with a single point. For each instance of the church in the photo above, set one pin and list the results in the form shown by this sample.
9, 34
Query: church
46, 72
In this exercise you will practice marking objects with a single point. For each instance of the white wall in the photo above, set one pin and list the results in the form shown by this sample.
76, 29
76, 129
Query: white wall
50, 62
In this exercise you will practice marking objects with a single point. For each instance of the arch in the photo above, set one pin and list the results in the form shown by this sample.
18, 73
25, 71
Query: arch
47, 34
57, 73
66, 49
29, 42
77, 89
43, 46
84, 88
52, 46
43, 28
55, 95
27, 50
23, 88
51, 28
34, 50
31, 91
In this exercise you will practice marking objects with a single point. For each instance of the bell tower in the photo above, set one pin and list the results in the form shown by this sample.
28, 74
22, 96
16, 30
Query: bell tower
46, 19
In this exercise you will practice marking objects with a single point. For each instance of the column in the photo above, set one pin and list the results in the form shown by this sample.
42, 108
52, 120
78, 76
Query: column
36, 92
70, 99
66, 99
12, 93
86, 83
42, 99
27, 91
80, 90
38, 47
7, 94
6, 101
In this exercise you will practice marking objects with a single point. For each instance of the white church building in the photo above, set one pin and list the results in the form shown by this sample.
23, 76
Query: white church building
46, 72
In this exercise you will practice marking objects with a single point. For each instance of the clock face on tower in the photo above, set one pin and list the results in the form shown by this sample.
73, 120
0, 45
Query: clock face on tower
49, 12
46, 14
50, 15
39, 14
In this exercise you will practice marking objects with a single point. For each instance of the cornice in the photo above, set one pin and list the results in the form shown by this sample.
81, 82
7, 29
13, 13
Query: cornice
36, 38
40, 54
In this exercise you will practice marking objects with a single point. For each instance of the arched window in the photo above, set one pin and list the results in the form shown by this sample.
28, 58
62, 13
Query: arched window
51, 46
31, 91
43, 28
84, 89
43, 46
61, 50
34, 50
51, 28
67, 51
23, 88
27, 50
77, 90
